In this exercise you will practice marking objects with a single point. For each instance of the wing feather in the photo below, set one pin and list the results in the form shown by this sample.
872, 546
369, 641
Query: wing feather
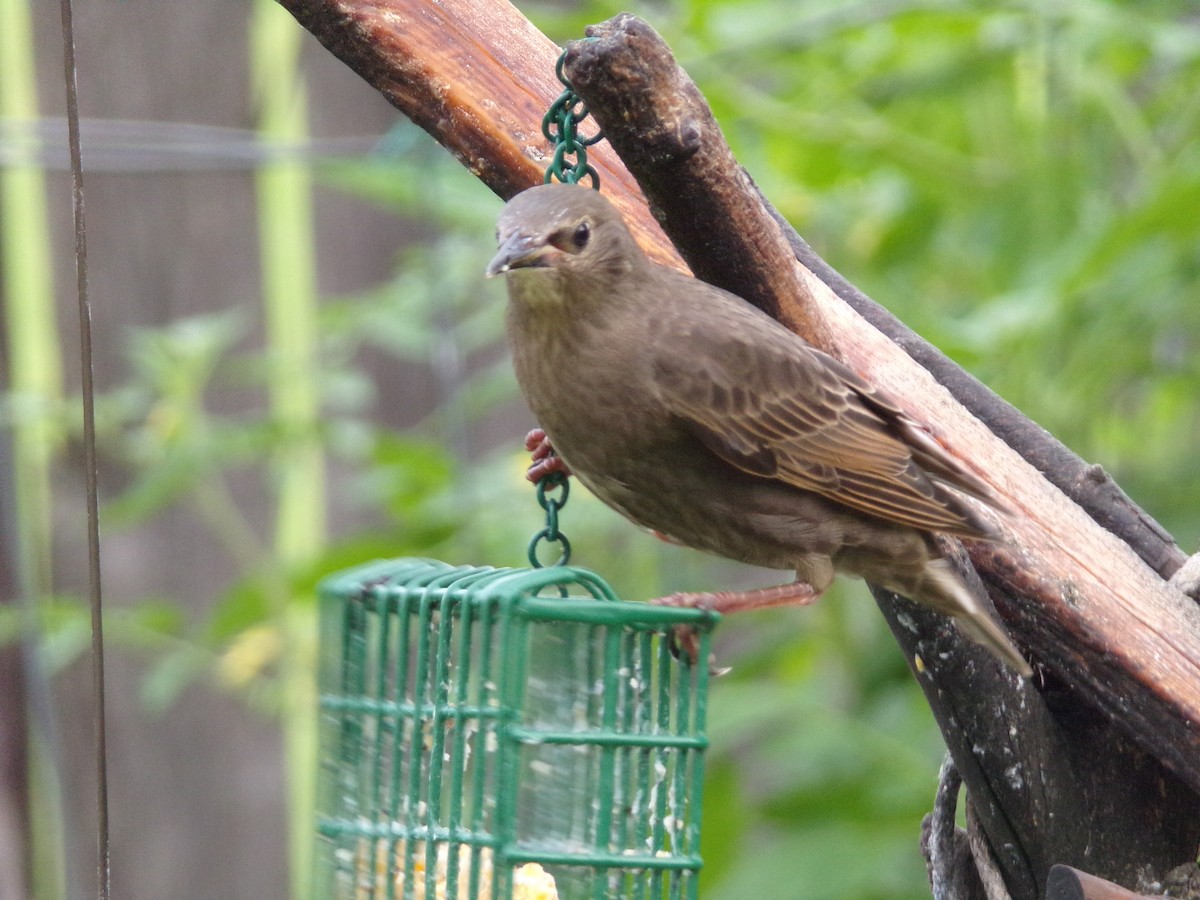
769, 404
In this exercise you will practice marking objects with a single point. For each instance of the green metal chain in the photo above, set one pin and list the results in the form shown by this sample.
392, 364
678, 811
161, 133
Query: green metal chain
560, 126
569, 164
550, 533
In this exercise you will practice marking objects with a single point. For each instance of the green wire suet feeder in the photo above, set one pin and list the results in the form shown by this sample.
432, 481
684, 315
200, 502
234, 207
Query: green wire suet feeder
506, 734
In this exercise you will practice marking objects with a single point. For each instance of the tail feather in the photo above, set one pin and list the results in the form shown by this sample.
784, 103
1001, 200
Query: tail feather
942, 590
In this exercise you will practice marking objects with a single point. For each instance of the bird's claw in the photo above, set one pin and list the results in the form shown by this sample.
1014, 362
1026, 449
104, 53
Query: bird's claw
684, 643
537, 443
542, 468
684, 640
545, 460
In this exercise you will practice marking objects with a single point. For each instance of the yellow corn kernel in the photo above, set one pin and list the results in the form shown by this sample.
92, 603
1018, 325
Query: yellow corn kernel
530, 881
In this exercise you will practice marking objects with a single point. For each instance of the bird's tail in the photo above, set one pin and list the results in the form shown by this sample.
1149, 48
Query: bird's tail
942, 589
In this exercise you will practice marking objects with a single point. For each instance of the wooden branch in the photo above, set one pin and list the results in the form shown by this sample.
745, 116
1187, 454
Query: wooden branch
1066, 883
1035, 758
1044, 769
949, 862
1183, 881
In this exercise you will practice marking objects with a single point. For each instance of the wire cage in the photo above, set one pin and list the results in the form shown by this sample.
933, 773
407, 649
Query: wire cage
505, 734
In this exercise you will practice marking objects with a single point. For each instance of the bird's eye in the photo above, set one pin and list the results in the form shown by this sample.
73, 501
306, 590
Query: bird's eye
571, 239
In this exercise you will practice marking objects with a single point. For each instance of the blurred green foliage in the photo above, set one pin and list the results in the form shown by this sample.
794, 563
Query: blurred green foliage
1019, 182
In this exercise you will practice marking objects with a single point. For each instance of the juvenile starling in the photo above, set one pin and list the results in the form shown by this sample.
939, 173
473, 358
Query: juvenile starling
702, 419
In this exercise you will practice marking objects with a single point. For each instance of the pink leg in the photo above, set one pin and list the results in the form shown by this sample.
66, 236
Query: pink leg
796, 593
545, 460
683, 638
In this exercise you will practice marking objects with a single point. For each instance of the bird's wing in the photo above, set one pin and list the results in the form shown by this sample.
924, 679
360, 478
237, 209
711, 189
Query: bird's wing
771, 405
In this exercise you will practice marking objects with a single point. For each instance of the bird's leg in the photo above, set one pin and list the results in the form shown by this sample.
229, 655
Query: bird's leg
684, 640
545, 460
795, 593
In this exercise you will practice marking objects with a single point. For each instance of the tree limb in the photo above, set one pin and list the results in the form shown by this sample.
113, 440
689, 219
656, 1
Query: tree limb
1066, 883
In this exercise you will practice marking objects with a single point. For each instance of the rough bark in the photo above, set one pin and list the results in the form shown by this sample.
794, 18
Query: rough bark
1097, 764
1066, 883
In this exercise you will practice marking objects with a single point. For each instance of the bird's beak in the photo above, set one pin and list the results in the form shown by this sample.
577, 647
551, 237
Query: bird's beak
521, 251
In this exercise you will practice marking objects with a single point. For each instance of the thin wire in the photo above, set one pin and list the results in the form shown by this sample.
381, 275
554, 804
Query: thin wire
121, 145
89, 451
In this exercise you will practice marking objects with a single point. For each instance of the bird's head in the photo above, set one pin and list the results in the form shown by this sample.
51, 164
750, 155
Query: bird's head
564, 229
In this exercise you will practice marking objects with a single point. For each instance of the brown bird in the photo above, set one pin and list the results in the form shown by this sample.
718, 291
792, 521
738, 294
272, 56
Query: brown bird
701, 418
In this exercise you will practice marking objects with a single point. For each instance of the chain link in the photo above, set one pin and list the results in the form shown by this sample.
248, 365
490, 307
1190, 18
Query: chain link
560, 126
550, 534
568, 164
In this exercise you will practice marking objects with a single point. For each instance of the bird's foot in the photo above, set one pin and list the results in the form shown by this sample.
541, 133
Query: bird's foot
685, 639
684, 643
545, 460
